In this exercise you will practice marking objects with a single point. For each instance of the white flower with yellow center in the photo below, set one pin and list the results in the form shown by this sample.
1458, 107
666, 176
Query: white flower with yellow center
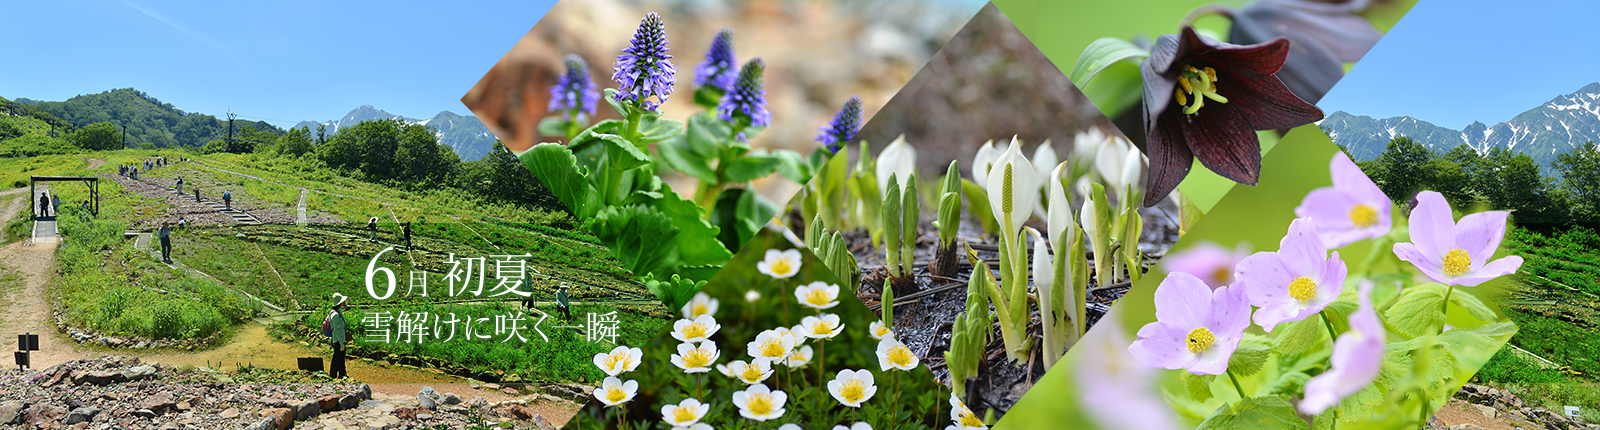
895, 355
771, 345
963, 418
880, 331
702, 304
759, 403
620, 360
818, 295
799, 358
614, 392
684, 414
790, 426
695, 330
780, 264
825, 326
852, 387
754, 372
859, 425
725, 370
695, 357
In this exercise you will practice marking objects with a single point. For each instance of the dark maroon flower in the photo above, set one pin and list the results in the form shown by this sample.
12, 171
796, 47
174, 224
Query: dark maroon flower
1323, 35
1205, 98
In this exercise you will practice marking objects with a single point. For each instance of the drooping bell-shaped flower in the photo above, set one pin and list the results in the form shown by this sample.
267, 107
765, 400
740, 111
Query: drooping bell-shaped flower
835, 134
898, 159
1014, 183
717, 71
1323, 36
746, 100
1205, 99
645, 69
574, 91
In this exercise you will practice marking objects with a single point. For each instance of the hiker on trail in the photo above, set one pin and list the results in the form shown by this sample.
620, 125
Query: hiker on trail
182, 223
165, 233
333, 327
197, 193
372, 229
408, 235
44, 205
227, 199
55, 204
180, 185
561, 303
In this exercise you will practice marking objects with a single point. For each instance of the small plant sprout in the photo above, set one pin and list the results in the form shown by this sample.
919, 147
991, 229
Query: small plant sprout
695, 330
891, 221
863, 184
852, 387
970, 331
759, 403
1004, 307
910, 212
1096, 220
1070, 266
1128, 227
684, 414
949, 224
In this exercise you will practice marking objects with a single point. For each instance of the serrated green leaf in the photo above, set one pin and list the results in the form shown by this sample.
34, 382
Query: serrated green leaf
1199, 386
621, 154
1250, 356
636, 235
697, 241
1465, 301
1267, 412
1100, 54
752, 166
654, 129
1296, 337
1290, 383
557, 167
678, 155
1418, 311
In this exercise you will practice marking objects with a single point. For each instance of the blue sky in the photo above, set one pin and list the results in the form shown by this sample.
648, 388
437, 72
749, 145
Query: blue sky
282, 61
1452, 62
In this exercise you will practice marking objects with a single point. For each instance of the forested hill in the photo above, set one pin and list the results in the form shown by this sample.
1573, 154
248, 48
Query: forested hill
147, 119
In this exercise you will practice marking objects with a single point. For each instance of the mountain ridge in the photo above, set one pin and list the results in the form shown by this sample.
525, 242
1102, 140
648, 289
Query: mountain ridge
464, 134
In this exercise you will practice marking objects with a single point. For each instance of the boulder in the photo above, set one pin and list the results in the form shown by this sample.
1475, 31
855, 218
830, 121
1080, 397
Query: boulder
159, 402
9, 411
82, 415
101, 378
144, 413
450, 399
478, 402
1467, 426
136, 373
349, 401
305, 410
265, 423
328, 403
229, 414
1486, 411
365, 392
282, 418
42, 415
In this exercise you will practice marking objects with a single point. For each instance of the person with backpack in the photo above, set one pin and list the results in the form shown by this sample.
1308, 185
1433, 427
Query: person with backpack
165, 234
180, 185
334, 328
227, 199
372, 229
561, 303
408, 235
44, 205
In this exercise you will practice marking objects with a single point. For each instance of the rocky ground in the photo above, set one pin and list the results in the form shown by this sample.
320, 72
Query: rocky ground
1478, 407
124, 393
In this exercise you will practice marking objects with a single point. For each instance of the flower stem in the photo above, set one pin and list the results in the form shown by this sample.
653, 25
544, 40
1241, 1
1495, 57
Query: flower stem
633, 125
1332, 335
1202, 11
1444, 308
1236, 386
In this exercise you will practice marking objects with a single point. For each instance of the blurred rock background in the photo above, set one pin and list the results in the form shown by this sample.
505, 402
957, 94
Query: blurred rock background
818, 54
989, 82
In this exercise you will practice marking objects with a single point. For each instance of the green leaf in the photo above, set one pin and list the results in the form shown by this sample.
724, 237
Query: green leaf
741, 213
674, 292
1251, 355
611, 98
1296, 337
679, 155
978, 199
654, 129
697, 243
556, 166
554, 126
1199, 386
1418, 311
1463, 300
1117, 89
1475, 345
794, 167
1100, 54
752, 166
1267, 412
639, 236
1290, 383
621, 154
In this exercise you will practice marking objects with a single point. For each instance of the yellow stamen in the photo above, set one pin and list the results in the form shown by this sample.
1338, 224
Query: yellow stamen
772, 347
1303, 289
817, 297
694, 330
683, 415
969, 419
1202, 84
1363, 216
1457, 262
900, 356
1182, 99
1200, 340
781, 267
611, 360
1222, 275
882, 330
759, 404
751, 373
853, 390
822, 327
615, 394
698, 309
697, 358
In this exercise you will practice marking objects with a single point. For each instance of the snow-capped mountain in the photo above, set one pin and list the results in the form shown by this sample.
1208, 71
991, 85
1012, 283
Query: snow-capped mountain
1555, 127
469, 138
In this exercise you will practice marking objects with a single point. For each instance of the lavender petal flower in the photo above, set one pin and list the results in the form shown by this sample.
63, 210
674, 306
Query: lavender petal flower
717, 70
1296, 282
1357, 358
1354, 208
1196, 328
844, 126
747, 99
1454, 253
644, 70
574, 92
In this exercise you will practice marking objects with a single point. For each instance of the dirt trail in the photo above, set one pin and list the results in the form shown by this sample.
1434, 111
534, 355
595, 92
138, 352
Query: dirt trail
95, 162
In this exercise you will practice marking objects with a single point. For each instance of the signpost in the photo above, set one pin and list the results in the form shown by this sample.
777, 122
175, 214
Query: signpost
25, 343
1572, 412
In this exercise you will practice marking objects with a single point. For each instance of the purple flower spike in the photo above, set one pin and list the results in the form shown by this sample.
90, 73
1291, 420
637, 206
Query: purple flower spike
717, 71
1294, 283
574, 91
1357, 358
1455, 253
1196, 328
844, 126
1208, 261
747, 98
1352, 209
643, 69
